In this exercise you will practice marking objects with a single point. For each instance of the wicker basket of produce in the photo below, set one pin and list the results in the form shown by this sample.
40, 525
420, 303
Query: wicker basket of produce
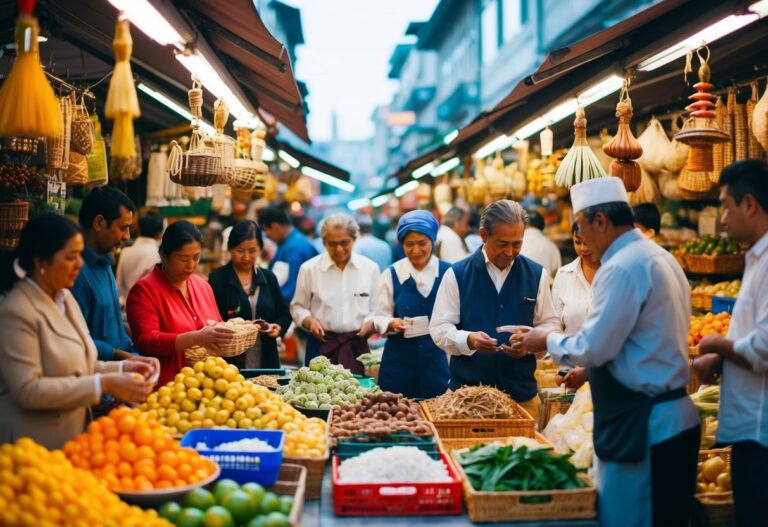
551, 406
477, 411
713, 486
315, 471
701, 301
246, 333
708, 264
449, 445
13, 217
292, 481
562, 491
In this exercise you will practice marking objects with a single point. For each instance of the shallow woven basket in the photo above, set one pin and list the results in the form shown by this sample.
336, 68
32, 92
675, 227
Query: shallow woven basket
245, 337
194, 168
717, 505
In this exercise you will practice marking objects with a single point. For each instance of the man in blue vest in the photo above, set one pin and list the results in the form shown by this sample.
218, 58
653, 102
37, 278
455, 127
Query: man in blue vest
493, 287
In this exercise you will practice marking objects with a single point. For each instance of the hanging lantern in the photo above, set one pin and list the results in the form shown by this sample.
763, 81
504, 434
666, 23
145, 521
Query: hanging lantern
624, 148
122, 105
28, 106
701, 130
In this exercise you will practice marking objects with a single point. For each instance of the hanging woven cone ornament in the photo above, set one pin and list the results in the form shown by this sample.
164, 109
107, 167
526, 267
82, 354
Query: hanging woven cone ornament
122, 104
580, 163
701, 130
28, 106
624, 148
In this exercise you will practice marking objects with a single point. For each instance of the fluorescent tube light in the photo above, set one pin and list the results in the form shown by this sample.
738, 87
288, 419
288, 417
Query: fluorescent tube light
422, 170
199, 67
378, 201
406, 188
327, 178
268, 155
450, 136
600, 90
357, 204
724, 27
288, 158
500, 143
179, 109
445, 166
149, 20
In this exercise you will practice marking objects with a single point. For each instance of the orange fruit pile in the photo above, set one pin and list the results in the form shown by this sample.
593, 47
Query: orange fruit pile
708, 324
42, 488
130, 450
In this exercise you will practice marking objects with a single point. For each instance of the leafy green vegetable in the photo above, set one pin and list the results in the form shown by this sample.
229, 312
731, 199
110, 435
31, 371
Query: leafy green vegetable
505, 468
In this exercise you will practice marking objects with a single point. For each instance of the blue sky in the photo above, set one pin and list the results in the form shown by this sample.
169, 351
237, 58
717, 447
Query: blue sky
345, 59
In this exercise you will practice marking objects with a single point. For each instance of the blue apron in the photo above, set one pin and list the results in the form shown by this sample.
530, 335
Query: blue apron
415, 367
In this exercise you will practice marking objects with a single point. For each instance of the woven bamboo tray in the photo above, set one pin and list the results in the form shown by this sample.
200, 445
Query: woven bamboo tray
512, 506
244, 338
292, 481
315, 467
521, 425
706, 264
718, 506
449, 445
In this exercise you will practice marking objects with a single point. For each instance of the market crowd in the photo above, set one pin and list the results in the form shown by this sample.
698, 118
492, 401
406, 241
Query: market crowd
455, 308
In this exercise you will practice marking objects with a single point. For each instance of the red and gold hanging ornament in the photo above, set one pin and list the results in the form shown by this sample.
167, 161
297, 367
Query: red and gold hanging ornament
122, 104
28, 106
701, 130
624, 148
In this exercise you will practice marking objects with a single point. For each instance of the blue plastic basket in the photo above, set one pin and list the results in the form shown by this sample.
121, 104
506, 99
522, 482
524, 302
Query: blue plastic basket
243, 467
722, 303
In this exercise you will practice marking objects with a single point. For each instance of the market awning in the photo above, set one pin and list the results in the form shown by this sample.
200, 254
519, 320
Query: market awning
309, 160
258, 65
569, 70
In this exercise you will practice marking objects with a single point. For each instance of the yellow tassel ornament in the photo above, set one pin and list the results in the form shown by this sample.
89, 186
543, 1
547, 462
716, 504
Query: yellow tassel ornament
122, 104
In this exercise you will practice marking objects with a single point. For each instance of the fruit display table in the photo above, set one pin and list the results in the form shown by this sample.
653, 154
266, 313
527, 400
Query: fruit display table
319, 513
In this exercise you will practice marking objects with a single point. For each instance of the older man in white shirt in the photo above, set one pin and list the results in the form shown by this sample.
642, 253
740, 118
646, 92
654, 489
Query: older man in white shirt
743, 354
496, 286
335, 296
450, 246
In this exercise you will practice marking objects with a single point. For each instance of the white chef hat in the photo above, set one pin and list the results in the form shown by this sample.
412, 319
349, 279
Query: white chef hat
596, 192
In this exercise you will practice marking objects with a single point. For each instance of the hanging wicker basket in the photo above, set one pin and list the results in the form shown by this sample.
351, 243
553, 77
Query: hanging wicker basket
694, 181
76, 173
82, 131
57, 148
248, 178
197, 167
13, 217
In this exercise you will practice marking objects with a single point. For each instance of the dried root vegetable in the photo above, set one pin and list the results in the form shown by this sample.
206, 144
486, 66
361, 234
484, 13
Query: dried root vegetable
474, 402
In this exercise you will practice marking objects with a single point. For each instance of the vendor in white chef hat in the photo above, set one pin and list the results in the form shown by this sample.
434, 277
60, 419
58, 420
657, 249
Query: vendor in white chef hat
633, 343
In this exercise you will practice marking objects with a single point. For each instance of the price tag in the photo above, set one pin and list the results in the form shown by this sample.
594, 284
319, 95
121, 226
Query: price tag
56, 196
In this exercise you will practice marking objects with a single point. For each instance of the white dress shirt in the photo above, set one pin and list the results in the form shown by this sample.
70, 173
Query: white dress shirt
450, 246
135, 262
447, 311
743, 392
541, 250
341, 301
385, 301
572, 296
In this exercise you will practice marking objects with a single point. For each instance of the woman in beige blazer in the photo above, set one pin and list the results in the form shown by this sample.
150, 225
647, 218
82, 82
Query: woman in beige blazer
49, 374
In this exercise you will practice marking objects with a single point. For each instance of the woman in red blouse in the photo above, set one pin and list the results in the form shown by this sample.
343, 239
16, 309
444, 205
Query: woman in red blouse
169, 309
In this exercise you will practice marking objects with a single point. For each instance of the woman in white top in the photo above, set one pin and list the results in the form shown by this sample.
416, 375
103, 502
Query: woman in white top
412, 364
572, 296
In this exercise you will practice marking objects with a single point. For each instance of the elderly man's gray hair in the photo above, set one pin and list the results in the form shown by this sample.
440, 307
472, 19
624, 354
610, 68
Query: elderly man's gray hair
504, 211
341, 220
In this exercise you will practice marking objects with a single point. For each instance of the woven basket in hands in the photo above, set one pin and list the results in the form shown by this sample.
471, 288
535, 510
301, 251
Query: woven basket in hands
197, 167
57, 148
246, 333
82, 131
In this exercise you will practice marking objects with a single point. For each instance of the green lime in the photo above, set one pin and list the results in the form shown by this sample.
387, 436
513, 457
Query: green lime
255, 490
218, 516
277, 519
258, 521
286, 504
224, 487
199, 499
170, 511
189, 517
269, 503
241, 505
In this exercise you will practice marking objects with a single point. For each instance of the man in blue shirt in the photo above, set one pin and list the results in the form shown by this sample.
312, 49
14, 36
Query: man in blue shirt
372, 247
293, 248
106, 217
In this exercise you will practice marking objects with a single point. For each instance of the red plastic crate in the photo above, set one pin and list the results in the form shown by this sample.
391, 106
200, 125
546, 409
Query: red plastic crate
397, 499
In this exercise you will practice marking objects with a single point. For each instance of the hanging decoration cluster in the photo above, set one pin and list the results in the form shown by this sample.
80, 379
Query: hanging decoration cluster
580, 163
28, 106
624, 148
122, 104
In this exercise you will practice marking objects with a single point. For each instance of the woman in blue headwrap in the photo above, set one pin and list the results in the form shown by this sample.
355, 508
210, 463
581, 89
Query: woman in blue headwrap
412, 364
